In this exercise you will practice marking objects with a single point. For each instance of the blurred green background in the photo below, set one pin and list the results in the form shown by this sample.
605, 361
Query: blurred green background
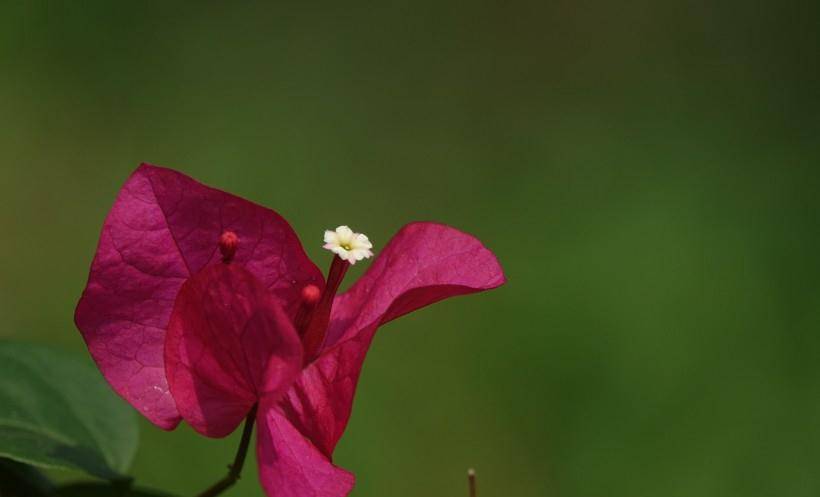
647, 172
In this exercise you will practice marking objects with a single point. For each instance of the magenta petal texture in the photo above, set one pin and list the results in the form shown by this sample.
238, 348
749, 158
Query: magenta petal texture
228, 345
163, 228
290, 466
422, 264
196, 300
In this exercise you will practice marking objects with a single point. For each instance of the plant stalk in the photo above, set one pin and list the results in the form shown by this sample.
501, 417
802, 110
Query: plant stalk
234, 469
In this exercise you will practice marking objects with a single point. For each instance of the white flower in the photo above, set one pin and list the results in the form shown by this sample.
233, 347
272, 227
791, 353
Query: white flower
349, 246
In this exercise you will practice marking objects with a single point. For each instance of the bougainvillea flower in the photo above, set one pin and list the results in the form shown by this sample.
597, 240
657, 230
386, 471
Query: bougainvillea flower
203, 306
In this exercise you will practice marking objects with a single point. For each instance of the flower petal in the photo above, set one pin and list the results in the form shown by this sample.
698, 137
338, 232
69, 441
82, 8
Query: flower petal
344, 234
290, 466
320, 400
331, 238
422, 264
164, 227
228, 345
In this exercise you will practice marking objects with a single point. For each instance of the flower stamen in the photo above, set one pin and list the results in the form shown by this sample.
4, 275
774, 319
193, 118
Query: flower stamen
228, 242
314, 334
310, 297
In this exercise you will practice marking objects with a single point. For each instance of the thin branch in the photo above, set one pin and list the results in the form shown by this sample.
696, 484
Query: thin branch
471, 480
235, 469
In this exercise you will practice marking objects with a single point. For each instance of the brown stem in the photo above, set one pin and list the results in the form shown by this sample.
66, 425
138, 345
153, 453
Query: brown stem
235, 469
471, 480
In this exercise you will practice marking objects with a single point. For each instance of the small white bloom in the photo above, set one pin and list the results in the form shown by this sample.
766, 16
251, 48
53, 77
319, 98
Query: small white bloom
349, 246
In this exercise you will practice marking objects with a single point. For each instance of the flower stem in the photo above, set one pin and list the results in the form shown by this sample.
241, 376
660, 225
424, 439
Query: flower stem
235, 469
471, 480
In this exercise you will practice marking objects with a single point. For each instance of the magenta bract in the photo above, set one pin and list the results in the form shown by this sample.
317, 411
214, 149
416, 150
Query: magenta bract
229, 345
197, 299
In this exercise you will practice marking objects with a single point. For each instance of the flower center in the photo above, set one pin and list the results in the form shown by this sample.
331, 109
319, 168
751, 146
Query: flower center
348, 245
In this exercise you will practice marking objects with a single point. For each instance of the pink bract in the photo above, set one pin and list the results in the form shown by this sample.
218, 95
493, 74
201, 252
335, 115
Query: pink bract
182, 330
228, 346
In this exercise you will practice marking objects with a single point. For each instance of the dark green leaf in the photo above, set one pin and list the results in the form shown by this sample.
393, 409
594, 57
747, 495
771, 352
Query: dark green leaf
57, 411
21, 480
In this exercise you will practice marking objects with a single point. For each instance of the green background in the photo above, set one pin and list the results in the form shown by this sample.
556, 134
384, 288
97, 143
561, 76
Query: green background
647, 172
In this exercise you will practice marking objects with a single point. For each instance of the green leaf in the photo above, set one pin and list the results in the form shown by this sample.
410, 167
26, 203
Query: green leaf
21, 480
56, 411
107, 490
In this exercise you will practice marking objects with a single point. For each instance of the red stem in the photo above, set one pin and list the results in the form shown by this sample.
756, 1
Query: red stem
316, 329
